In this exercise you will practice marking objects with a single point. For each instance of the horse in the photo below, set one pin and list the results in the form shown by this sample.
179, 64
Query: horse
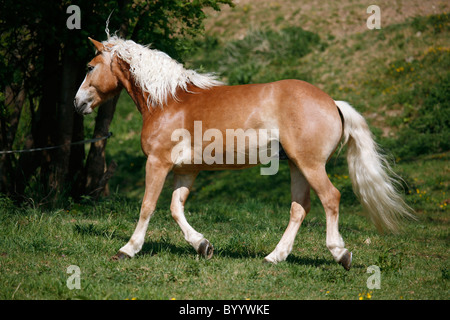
309, 124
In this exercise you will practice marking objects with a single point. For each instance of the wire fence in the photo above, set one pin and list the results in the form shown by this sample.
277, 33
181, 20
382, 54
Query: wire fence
56, 147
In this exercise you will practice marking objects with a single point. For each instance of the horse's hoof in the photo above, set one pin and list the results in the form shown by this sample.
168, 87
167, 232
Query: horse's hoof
120, 256
268, 261
346, 260
205, 249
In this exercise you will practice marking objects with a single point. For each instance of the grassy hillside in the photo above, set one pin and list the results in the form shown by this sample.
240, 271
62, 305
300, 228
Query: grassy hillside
397, 76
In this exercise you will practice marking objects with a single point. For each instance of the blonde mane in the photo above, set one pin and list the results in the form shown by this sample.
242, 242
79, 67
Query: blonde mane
155, 72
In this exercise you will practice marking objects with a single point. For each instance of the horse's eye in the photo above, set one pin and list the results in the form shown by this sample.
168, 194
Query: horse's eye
90, 68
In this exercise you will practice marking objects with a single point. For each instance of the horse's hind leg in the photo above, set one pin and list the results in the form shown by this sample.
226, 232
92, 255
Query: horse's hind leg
182, 185
330, 197
299, 208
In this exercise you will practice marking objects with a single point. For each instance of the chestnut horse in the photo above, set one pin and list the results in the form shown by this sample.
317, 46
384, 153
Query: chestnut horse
310, 125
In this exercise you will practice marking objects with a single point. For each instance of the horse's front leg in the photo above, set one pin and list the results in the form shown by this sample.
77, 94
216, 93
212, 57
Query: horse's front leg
155, 175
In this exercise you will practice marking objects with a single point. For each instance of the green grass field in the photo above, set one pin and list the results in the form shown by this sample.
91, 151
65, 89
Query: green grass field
397, 76
38, 246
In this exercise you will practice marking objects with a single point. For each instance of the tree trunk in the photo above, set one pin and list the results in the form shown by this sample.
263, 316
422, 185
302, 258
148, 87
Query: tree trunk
77, 154
69, 85
9, 121
44, 133
89, 182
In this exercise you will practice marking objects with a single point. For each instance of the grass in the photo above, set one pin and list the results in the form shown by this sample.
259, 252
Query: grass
397, 76
38, 246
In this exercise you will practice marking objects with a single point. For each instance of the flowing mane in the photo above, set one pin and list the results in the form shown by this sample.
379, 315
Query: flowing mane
155, 72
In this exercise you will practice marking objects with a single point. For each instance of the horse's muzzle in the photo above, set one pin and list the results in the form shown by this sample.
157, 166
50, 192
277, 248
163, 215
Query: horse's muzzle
82, 107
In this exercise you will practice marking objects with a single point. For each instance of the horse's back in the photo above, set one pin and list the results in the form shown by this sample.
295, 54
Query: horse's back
307, 118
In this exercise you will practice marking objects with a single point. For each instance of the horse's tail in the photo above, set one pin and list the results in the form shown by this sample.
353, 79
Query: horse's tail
372, 178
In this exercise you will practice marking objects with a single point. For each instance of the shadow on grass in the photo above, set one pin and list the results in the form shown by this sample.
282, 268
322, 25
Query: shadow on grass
291, 259
307, 261
151, 248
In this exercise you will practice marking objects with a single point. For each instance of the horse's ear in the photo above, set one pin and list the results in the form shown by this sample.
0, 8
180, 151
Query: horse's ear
98, 45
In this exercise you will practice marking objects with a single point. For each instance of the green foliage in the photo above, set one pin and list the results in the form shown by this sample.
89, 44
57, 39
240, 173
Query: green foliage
6, 204
425, 127
261, 56
166, 24
436, 22
31, 28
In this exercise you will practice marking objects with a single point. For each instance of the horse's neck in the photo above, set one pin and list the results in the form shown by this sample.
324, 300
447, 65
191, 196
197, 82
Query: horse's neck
139, 97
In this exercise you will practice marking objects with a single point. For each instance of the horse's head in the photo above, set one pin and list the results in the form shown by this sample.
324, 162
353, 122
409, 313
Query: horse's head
100, 83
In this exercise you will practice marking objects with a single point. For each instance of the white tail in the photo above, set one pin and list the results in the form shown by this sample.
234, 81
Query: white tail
373, 180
